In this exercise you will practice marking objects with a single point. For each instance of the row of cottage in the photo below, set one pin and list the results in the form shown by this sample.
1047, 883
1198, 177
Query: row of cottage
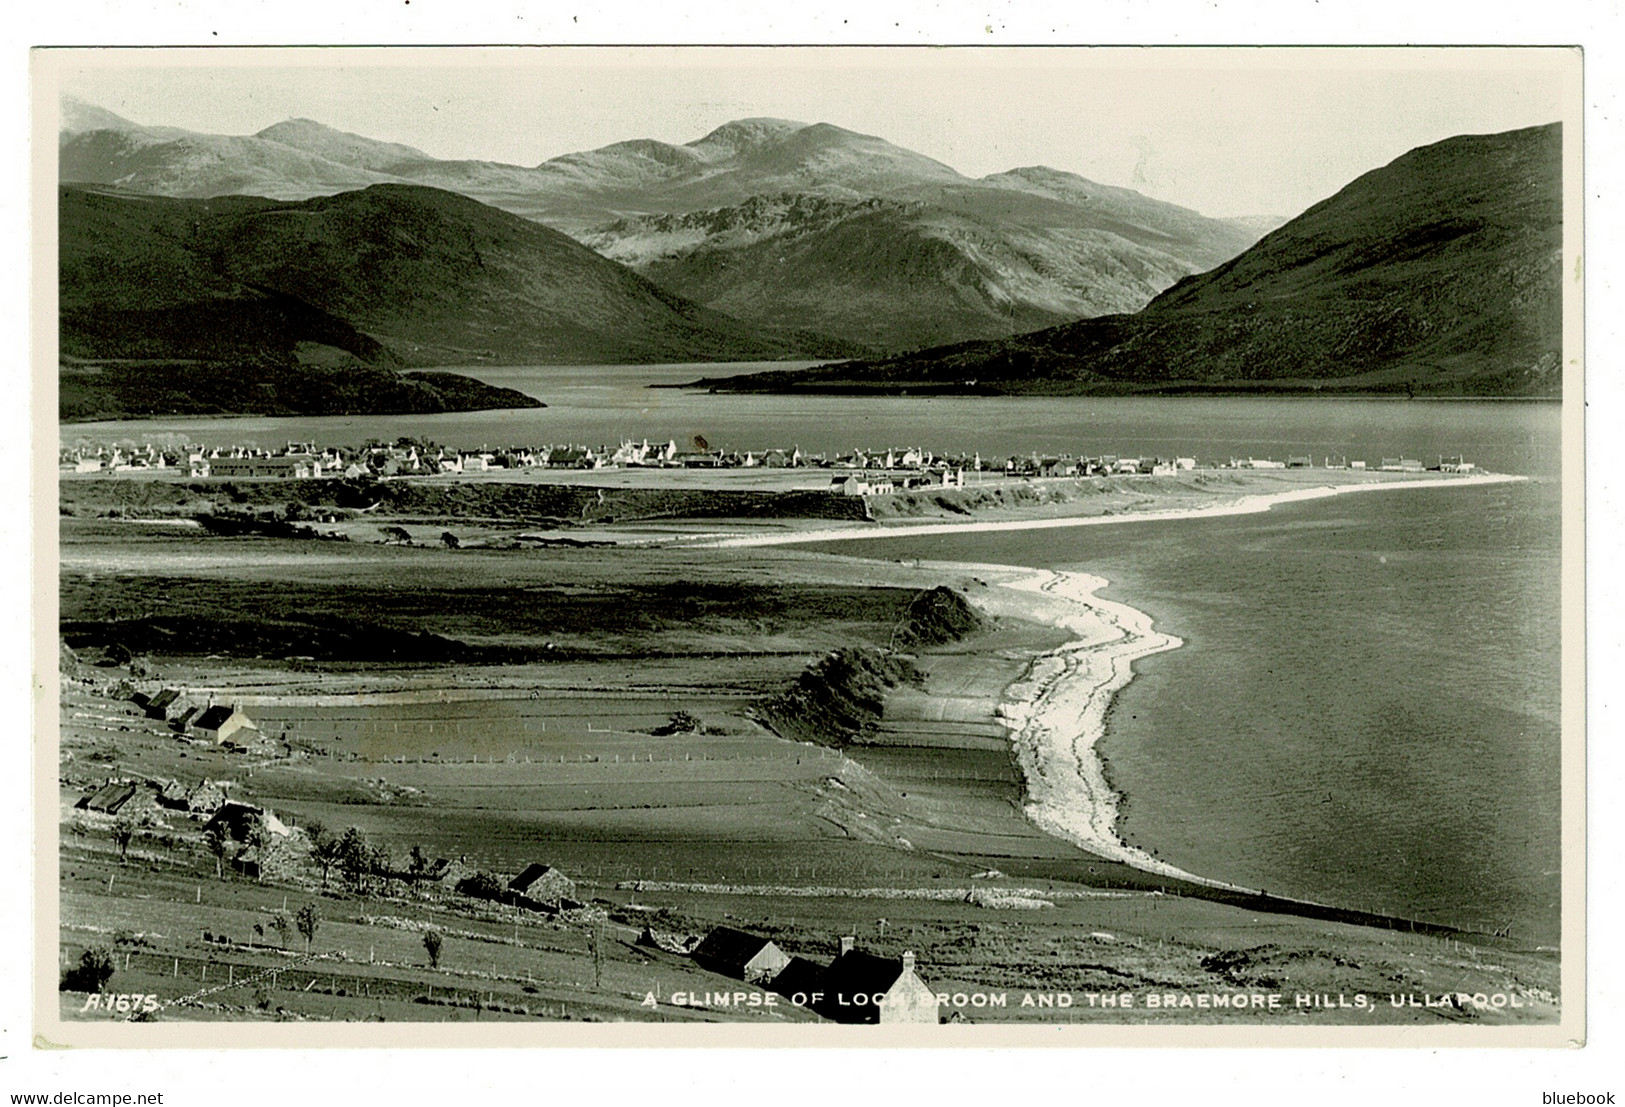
299, 461
304, 461
855, 987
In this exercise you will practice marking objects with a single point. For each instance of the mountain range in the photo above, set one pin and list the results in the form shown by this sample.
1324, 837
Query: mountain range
794, 228
1438, 273
159, 296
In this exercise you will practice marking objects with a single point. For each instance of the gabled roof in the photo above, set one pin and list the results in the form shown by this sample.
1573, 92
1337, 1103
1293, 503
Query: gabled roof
109, 798
164, 698
214, 718
801, 976
235, 818
857, 972
533, 873
728, 950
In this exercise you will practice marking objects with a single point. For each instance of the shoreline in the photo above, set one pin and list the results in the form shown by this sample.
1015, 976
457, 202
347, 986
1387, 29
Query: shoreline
1250, 504
1056, 715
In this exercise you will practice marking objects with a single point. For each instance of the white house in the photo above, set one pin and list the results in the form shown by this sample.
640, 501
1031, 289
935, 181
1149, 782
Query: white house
219, 723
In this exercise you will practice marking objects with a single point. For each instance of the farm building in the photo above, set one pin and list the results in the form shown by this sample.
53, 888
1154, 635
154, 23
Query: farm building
860, 987
219, 723
740, 955
449, 873
275, 857
238, 820
205, 797
800, 981
543, 884
173, 795
167, 705
108, 798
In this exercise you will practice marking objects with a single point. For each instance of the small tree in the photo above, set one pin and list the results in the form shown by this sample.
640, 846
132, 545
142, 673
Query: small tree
419, 861
123, 833
218, 841
324, 847
450, 541
308, 920
355, 856
259, 836
397, 534
280, 924
431, 945
379, 861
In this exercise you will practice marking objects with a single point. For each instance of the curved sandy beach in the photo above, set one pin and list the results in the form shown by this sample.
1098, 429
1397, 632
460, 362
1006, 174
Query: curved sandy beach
1057, 714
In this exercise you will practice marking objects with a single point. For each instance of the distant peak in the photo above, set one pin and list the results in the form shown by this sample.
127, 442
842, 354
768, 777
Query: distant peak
81, 115
1044, 174
749, 132
343, 146
1037, 171
302, 126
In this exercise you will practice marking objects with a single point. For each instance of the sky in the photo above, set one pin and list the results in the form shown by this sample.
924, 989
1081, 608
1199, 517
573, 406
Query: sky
1235, 131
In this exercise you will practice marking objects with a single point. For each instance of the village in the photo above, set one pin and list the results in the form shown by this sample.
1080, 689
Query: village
860, 472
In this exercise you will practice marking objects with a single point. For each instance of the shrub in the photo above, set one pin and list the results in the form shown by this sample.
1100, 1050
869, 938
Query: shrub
680, 722
94, 970
482, 885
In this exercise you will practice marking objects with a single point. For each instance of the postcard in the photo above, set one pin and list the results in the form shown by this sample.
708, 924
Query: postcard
809, 546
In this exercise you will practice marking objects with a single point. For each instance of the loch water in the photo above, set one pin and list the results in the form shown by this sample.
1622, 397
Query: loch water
1365, 710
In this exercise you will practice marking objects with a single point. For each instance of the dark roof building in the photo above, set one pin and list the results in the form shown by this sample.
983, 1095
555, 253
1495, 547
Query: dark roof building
238, 820
742, 956
108, 798
801, 981
167, 704
173, 794
543, 884
220, 722
861, 987
448, 872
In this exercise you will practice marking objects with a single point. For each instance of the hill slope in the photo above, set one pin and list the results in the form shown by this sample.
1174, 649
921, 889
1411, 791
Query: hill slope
786, 225
971, 262
1438, 273
393, 274
388, 277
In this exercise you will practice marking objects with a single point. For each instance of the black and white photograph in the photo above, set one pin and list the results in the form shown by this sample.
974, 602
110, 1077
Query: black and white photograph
809, 546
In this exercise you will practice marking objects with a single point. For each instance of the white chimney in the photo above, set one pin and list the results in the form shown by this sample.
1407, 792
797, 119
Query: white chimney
908, 960
847, 943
